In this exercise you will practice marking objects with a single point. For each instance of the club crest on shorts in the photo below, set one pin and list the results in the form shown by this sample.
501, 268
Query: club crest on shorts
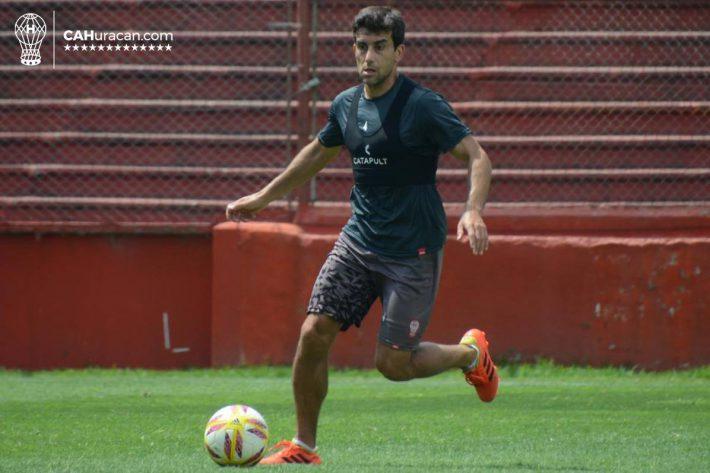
413, 327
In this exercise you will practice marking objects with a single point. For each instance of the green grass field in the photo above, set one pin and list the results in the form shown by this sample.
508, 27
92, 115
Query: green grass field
547, 418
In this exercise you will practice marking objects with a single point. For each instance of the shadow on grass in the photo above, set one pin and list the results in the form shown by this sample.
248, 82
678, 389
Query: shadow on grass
531, 466
515, 466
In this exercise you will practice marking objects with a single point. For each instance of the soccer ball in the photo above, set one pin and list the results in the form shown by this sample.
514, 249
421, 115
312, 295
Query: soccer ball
236, 435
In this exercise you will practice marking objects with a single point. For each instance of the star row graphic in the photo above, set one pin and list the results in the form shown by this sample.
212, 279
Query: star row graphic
118, 47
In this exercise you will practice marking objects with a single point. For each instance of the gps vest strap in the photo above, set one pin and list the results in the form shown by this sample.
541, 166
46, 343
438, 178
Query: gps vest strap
382, 159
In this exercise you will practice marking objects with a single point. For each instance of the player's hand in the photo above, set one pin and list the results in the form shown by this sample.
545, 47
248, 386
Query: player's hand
471, 229
246, 207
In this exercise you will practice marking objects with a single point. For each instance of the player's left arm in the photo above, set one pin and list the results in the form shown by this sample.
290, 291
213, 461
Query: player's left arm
471, 227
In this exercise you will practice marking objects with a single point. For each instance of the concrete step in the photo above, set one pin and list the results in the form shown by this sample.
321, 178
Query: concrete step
531, 15
524, 185
244, 48
125, 116
598, 185
337, 15
165, 15
459, 84
141, 149
506, 152
424, 49
31, 213
244, 117
535, 48
148, 82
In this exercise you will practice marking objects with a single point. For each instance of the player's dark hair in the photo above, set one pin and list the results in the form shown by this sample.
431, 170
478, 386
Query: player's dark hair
381, 20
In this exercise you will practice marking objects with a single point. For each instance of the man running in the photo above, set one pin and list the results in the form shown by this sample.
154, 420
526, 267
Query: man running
392, 246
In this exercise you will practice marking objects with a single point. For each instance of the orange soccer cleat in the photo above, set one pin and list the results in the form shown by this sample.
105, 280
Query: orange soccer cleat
290, 453
484, 376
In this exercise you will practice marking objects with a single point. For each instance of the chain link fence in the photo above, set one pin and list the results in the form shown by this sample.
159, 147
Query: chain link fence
576, 102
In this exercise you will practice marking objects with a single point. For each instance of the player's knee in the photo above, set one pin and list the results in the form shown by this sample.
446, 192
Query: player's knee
394, 369
318, 332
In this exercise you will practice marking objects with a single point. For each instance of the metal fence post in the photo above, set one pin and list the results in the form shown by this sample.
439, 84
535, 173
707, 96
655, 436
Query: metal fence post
303, 52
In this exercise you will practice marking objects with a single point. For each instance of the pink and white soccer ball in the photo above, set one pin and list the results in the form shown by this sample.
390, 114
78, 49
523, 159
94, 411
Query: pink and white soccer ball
236, 435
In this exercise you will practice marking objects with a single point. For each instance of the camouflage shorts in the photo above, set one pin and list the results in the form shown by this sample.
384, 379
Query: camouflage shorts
352, 278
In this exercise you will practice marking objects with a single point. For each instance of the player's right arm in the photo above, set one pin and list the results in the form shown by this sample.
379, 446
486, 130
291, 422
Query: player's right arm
311, 159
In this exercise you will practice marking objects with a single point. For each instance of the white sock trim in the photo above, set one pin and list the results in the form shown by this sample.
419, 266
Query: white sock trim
474, 363
304, 446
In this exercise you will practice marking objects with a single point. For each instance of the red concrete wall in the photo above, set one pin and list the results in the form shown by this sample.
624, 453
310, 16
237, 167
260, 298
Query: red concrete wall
597, 300
76, 301
240, 297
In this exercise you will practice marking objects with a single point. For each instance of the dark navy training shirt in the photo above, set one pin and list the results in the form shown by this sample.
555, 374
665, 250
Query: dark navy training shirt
394, 220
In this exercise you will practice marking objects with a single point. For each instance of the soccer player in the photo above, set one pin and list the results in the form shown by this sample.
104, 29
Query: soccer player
391, 248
